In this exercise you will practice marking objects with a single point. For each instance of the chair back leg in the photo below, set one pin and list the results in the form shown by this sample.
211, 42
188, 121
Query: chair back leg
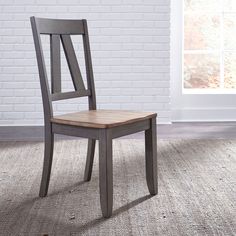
47, 164
89, 160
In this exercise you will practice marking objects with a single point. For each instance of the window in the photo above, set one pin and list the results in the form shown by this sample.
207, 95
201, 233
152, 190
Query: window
209, 55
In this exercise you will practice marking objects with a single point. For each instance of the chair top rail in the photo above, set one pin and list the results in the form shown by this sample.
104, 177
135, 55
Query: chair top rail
59, 26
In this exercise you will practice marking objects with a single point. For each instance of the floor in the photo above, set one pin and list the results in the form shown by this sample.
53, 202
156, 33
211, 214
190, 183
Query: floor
198, 130
197, 190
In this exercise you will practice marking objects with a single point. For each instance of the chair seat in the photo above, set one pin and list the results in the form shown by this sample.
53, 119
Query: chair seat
102, 118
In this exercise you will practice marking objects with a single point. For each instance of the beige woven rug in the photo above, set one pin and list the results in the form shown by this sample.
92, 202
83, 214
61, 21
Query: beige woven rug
197, 190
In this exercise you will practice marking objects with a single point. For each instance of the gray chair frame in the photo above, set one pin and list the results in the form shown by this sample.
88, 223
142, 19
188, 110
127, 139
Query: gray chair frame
61, 30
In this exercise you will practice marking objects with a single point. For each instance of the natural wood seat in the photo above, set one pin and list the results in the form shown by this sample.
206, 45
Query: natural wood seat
102, 118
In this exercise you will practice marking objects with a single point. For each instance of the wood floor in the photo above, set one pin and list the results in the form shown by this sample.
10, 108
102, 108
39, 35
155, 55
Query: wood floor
197, 190
198, 130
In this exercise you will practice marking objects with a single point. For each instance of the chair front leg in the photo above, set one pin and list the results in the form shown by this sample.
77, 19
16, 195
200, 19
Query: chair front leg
105, 172
47, 164
151, 157
89, 160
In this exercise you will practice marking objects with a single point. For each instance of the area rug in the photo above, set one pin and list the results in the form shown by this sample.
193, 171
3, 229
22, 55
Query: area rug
197, 190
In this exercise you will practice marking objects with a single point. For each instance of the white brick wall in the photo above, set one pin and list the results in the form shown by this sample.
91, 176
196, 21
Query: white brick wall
130, 43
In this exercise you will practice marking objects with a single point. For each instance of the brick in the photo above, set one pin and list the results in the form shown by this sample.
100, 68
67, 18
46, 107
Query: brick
130, 43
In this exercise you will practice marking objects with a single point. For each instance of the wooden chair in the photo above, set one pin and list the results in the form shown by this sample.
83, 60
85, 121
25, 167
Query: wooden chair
102, 125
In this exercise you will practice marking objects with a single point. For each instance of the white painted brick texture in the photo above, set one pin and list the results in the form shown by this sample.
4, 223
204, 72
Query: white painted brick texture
130, 43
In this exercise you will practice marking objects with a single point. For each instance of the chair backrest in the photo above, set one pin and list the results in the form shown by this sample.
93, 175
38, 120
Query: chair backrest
60, 30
